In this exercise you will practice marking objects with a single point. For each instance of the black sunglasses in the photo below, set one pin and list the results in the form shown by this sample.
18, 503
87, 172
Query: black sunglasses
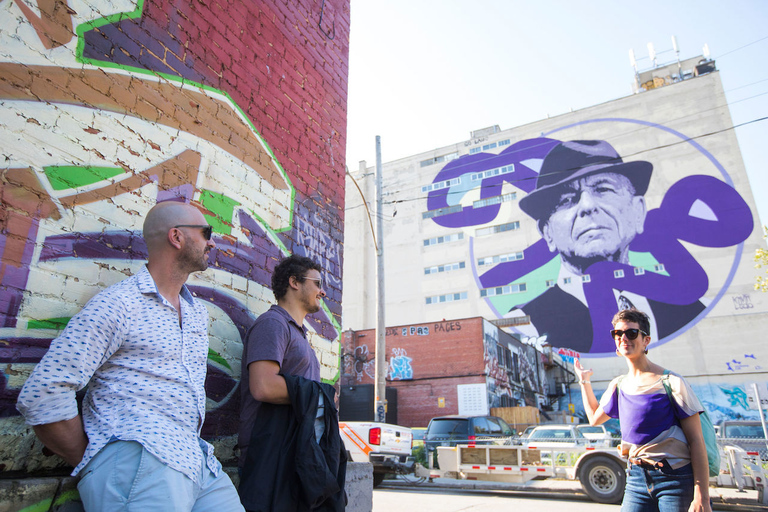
631, 333
207, 229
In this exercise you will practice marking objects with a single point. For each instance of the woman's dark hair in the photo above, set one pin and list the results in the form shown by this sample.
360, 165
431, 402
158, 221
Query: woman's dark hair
292, 266
633, 315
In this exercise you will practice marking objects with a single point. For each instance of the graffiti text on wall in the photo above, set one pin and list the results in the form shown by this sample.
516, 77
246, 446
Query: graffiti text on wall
400, 365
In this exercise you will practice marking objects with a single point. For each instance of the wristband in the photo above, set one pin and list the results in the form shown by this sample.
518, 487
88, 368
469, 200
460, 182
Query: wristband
585, 382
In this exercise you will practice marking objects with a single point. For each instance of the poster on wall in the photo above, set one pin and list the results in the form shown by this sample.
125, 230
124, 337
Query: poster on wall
473, 399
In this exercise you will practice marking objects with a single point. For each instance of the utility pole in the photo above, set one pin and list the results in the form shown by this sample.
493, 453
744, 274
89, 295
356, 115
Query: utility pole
380, 406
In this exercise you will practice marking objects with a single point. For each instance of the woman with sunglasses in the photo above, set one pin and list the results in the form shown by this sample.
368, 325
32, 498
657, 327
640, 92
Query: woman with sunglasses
667, 468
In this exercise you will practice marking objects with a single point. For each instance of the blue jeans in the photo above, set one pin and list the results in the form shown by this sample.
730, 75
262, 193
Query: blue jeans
125, 476
658, 490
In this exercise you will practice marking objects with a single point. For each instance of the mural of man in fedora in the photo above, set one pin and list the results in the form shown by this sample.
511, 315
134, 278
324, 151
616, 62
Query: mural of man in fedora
589, 206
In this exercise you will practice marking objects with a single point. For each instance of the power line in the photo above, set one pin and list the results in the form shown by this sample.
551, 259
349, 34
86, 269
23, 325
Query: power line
741, 47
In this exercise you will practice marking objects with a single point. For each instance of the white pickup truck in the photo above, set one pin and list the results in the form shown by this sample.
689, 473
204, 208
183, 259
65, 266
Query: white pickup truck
387, 447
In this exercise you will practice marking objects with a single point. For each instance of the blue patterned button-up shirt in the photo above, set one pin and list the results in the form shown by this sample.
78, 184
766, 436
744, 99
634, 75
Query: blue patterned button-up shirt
146, 373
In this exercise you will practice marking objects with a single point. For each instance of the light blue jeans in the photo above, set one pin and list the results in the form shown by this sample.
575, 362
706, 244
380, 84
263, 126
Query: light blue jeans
658, 490
124, 476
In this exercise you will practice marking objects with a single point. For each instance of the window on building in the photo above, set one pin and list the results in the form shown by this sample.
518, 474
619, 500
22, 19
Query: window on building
618, 274
439, 185
585, 278
503, 290
550, 283
495, 200
496, 171
501, 258
639, 271
500, 228
486, 147
566, 280
449, 297
516, 368
504, 356
438, 159
443, 239
659, 268
444, 268
472, 151
504, 142
441, 211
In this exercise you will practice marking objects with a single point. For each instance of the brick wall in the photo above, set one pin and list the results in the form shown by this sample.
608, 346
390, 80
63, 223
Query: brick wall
238, 107
430, 360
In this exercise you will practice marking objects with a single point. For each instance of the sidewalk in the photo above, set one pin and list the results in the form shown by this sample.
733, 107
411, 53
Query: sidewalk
722, 498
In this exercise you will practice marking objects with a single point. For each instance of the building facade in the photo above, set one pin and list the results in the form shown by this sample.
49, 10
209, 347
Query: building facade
462, 366
483, 228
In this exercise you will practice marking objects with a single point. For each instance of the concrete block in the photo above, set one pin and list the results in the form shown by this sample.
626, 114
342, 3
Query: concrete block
359, 486
67, 498
21, 494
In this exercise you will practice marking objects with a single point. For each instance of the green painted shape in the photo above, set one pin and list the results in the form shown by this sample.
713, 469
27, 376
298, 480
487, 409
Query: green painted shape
535, 284
63, 177
216, 357
58, 323
66, 497
223, 207
40, 506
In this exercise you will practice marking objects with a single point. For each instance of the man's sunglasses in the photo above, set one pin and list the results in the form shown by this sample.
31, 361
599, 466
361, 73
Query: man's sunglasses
207, 229
318, 279
631, 333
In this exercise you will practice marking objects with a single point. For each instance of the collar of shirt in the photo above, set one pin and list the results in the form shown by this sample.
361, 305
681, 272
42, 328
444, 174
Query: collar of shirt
146, 284
289, 318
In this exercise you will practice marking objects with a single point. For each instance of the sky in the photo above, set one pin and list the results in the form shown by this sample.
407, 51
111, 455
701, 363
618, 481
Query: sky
425, 73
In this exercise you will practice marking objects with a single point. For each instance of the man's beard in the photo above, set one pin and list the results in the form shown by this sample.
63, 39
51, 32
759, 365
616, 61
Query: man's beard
190, 261
311, 306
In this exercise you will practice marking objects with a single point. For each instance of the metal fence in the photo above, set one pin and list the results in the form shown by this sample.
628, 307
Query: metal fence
749, 444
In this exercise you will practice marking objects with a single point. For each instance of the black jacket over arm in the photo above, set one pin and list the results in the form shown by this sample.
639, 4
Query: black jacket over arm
286, 470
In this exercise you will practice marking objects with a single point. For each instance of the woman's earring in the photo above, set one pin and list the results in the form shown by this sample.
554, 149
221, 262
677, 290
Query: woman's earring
618, 353
646, 351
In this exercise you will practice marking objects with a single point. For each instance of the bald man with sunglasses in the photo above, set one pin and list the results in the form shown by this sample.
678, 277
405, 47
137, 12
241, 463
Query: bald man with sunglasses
141, 346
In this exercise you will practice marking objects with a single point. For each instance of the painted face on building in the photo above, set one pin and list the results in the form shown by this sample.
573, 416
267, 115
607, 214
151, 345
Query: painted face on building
595, 219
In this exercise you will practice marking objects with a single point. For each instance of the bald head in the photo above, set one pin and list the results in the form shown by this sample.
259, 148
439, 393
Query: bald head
164, 216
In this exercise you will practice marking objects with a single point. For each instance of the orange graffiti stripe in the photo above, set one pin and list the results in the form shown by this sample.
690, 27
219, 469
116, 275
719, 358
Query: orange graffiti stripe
160, 102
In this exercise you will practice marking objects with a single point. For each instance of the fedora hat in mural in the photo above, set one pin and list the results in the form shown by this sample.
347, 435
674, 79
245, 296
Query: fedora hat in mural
575, 159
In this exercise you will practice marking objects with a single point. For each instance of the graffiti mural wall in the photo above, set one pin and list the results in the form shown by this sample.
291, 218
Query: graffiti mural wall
514, 374
603, 245
107, 108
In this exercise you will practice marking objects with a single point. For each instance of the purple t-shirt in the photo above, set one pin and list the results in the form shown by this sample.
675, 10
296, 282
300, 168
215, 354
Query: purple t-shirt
650, 426
275, 336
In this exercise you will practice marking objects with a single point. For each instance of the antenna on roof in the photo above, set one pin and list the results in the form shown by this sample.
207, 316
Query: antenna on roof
705, 51
677, 53
652, 54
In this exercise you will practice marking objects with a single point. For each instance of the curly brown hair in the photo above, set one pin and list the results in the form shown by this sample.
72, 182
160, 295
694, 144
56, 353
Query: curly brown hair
292, 266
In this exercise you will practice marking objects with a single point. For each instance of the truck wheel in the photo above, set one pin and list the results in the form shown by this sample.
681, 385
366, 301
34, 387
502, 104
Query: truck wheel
377, 479
603, 479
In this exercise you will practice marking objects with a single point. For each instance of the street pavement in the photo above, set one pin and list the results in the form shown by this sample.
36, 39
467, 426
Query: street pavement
723, 498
